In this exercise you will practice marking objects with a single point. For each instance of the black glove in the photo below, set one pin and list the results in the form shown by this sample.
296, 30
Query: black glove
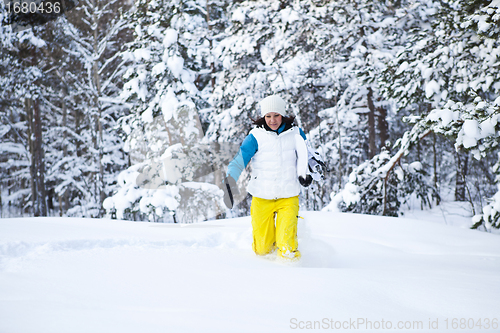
230, 190
305, 182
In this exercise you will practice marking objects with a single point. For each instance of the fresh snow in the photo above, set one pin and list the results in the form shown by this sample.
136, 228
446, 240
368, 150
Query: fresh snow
170, 37
90, 275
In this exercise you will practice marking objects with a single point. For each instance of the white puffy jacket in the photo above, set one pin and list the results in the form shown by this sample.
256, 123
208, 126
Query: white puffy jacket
276, 165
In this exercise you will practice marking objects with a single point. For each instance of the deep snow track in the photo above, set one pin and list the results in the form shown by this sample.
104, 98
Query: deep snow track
84, 275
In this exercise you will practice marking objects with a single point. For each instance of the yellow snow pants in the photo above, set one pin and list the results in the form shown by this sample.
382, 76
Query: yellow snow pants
283, 235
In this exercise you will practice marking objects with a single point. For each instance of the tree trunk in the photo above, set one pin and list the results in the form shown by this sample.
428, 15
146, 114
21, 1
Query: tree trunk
340, 166
210, 40
37, 169
65, 121
371, 125
98, 140
435, 167
41, 202
462, 160
29, 113
78, 131
64, 197
383, 127
395, 160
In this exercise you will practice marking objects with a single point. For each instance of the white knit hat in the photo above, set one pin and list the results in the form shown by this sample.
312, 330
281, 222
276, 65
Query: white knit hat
272, 103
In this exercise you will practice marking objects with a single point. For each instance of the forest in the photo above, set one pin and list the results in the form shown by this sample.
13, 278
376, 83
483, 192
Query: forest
132, 109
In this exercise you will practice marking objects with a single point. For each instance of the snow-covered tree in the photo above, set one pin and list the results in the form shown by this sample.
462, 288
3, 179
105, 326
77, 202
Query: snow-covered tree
23, 119
169, 68
449, 61
445, 79
364, 35
56, 79
191, 78
311, 53
95, 33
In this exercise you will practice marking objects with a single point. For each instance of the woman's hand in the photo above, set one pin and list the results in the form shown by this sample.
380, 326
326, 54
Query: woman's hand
305, 182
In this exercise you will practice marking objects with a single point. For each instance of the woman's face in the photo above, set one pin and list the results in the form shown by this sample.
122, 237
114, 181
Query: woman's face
273, 120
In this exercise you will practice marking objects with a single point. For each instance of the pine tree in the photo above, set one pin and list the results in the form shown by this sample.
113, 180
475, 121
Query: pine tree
168, 71
311, 54
445, 78
23, 118
56, 94
363, 36
95, 33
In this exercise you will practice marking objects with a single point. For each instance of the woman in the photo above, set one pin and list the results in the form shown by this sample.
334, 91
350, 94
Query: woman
280, 160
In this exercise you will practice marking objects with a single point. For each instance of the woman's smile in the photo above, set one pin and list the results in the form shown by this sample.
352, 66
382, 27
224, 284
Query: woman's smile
273, 120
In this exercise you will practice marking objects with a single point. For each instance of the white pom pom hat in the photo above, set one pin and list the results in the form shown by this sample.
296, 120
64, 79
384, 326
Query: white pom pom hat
272, 103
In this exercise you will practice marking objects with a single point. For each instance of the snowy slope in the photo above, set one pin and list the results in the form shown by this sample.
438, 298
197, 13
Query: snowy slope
84, 275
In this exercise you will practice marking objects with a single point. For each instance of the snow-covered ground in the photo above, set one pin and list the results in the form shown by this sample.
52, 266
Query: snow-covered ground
358, 272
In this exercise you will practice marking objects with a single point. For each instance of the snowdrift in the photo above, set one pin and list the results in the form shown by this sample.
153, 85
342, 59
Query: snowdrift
358, 273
